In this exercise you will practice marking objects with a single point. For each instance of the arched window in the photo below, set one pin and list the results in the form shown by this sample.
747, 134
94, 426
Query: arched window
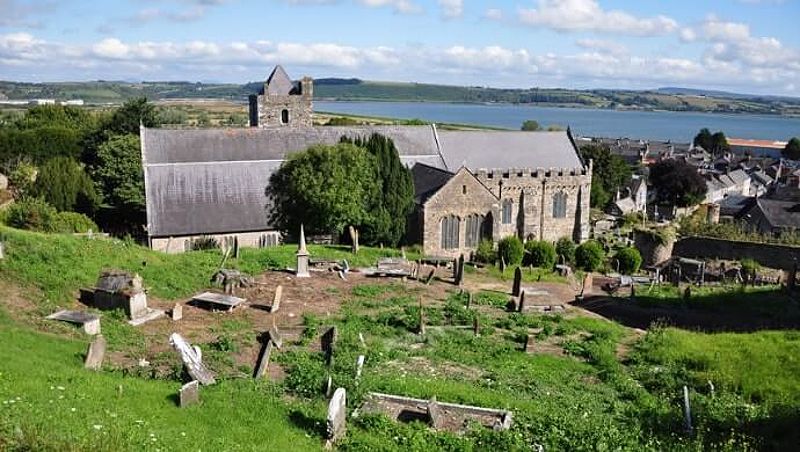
474, 228
560, 205
507, 204
284, 116
450, 229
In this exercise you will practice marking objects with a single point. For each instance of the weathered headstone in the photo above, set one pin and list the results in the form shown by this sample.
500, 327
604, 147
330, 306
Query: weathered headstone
435, 414
528, 341
236, 247
521, 305
327, 342
587, 285
359, 366
336, 421
502, 264
353, 239
459, 271
276, 300
430, 277
198, 352
302, 256
517, 282
329, 386
263, 359
96, 353
177, 312
275, 336
476, 326
191, 360
687, 410
469, 299
190, 394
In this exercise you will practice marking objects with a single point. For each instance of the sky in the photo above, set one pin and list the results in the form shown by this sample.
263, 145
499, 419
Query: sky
749, 46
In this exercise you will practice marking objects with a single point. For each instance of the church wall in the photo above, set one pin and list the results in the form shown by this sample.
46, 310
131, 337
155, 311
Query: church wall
180, 244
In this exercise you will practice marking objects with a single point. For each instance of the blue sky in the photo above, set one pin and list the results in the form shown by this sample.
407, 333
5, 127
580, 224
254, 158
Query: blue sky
740, 45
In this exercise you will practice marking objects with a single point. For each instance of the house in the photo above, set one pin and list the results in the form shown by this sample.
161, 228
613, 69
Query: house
632, 199
203, 183
769, 148
773, 216
719, 186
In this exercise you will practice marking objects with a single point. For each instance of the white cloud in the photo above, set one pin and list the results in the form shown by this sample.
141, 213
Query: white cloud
400, 6
611, 47
452, 9
587, 15
733, 43
493, 14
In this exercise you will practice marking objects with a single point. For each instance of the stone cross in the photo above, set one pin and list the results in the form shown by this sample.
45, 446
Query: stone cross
177, 312
337, 416
190, 394
96, 353
302, 256
515, 289
276, 301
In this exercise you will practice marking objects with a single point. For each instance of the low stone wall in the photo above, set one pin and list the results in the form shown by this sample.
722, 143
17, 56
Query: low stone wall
173, 245
768, 255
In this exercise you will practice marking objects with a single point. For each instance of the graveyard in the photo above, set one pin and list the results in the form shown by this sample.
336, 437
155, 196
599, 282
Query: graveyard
378, 352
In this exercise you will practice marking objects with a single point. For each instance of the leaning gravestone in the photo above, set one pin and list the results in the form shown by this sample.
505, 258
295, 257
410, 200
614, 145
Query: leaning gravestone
96, 353
521, 305
275, 337
337, 416
429, 279
276, 302
515, 289
190, 394
435, 414
191, 360
263, 360
327, 342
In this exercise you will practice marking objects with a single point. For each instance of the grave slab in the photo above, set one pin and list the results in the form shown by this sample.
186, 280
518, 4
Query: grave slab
86, 320
217, 301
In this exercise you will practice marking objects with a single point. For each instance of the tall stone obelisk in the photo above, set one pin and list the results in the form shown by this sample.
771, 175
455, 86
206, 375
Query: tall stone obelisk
302, 256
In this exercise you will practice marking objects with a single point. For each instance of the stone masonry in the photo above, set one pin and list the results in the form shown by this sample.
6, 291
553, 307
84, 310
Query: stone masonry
283, 103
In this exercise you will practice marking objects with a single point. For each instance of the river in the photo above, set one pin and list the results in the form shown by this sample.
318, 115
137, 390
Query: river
652, 125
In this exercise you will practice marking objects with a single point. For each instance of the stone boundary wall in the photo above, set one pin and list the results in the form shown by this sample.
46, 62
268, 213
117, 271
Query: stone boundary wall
768, 255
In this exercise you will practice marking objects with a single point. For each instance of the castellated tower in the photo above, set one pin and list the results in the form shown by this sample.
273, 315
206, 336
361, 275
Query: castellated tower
282, 103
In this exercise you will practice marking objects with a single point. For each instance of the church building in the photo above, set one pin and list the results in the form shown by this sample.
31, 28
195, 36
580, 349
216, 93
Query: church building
469, 184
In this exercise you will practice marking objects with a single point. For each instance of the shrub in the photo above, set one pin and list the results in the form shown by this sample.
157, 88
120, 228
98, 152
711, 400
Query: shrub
511, 250
64, 184
749, 266
565, 248
629, 260
73, 222
205, 243
485, 252
540, 254
590, 255
33, 214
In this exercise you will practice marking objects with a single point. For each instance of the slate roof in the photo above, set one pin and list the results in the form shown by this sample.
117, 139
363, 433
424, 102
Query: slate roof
205, 181
735, 205
779, 214
279, 83
428, 180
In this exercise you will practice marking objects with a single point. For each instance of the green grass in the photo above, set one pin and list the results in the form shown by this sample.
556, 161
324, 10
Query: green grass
49, 402
58, 265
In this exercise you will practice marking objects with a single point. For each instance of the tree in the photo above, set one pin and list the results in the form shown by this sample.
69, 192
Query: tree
119, 174
540, 254
703, 139
610, 173
325, 188
792, 149
510, 249
565, 249
715, 143
128, 117
677, 183
590, 256
388, 221
530, 126
64, 184
629, 260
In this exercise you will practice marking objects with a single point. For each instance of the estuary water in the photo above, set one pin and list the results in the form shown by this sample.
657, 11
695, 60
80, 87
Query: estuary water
678, 127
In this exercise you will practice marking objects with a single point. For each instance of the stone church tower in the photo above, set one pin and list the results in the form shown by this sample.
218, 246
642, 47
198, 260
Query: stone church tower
282, 102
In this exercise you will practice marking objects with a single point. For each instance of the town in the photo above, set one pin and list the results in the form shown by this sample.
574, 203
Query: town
319, 261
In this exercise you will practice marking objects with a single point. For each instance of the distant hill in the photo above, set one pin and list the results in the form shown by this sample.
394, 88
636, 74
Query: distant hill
667, 98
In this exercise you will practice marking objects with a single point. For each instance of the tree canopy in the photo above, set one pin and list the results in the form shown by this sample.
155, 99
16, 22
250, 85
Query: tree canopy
387, 223
530, 126
610, 173
677, 183
792, 149
118, 172
64, 184
325, 188
715, 143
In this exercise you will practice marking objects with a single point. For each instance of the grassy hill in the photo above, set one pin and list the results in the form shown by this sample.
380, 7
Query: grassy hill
674, 99
589, 384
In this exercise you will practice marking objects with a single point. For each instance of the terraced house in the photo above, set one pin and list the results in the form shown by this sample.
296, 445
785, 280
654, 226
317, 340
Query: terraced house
469, 184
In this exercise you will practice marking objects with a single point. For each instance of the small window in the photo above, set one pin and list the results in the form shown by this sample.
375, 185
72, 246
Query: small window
560, 205
507, 205
450, 232
284, 116
463, 189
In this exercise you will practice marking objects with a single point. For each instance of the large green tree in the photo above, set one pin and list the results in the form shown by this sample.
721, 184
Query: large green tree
677, 183
792, 149
118, 172
610, 173
387, 224
715, 143
325, 188
64, 184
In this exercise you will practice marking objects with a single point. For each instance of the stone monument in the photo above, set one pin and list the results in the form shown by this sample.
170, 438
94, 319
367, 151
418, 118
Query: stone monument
302, 257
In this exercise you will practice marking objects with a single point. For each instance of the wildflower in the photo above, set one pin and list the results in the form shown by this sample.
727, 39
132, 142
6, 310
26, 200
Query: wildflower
97, 426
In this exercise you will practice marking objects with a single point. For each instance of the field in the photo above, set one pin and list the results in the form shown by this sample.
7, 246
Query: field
584, 383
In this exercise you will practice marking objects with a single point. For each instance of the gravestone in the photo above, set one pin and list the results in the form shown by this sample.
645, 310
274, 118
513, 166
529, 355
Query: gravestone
263, 359
460, 271
190, 394
88, 321
435, 414
469, 299
502, 264
177, 312
588, 280
276, 300
302, 257
327, 343
275, 336
476, 327
430, 277
527, 344
359, 366
328, 386
521, 305
192, 360
336, 421
96, 353
236, 247
517, 282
